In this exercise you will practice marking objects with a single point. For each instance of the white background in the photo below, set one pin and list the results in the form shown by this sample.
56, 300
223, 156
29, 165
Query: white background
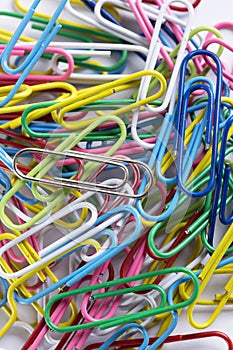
209, 12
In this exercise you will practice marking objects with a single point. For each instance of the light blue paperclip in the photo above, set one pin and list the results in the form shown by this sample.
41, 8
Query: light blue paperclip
39, 48
163, 138
106, 345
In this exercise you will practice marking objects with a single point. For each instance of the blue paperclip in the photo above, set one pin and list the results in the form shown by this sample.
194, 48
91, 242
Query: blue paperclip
205, 125
222, 178
163, 137
181, 105
27, 65
106, 345
162, 140
168, 331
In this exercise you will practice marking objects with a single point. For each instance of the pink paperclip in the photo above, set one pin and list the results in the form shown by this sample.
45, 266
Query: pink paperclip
227, 75
147, 28
44, 78
14, 52
145, 22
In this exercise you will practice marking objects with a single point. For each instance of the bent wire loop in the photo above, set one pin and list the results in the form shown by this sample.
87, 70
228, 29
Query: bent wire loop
85, 185
212, 117
50, 31
117, 320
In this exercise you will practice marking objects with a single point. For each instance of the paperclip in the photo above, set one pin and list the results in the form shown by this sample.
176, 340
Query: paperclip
103, 324
42, 329
180, 124
123, 33
126, 344
146, 24
184, 9
55, 51
192, 135
90, 95
59, 247
37, 51
90, 78
139, 328
78, 184
151, 61
224, 44
205, 276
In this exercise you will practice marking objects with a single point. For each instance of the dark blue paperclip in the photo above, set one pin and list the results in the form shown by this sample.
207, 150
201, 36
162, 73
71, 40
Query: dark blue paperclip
163, 141
215, 116
223, 173
39, 48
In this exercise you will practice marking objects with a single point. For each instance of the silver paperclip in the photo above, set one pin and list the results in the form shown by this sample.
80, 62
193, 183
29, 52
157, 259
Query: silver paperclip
85, 185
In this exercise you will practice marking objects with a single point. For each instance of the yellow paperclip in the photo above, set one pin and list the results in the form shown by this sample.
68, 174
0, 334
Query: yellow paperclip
205, 277
68, 91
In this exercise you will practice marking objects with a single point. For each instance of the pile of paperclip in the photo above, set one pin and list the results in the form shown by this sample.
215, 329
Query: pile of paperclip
116, 174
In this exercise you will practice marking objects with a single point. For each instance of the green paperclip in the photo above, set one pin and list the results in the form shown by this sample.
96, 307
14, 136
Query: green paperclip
100, 135
79, 60
198, 182
118, 320
74, 34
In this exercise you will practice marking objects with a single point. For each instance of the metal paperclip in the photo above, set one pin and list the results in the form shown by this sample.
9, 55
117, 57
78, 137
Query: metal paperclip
84, 185
46, 37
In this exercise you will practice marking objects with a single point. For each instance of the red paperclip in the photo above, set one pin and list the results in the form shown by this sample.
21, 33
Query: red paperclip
126, 344
179, 8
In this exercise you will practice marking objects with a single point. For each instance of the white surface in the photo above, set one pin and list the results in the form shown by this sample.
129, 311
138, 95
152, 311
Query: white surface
209, 12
